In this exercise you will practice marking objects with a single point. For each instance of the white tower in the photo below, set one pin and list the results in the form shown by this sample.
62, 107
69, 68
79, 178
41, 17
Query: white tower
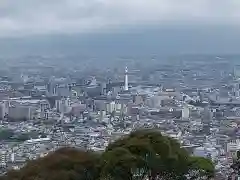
126, 79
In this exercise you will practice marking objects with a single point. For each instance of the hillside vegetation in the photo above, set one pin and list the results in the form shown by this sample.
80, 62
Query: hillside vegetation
144, 154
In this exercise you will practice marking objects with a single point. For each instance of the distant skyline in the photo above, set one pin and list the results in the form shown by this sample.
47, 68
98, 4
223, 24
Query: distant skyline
119, 27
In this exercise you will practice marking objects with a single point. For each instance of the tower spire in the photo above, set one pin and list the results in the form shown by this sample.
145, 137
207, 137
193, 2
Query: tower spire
126, 79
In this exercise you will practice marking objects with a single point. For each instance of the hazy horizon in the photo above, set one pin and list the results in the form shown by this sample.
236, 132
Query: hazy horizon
148, 41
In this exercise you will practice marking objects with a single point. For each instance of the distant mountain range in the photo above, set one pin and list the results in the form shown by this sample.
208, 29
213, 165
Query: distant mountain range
129, 42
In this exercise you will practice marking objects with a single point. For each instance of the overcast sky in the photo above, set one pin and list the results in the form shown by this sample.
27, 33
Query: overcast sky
30, 17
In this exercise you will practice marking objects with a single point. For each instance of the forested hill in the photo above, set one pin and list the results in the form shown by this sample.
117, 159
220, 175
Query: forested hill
142, 154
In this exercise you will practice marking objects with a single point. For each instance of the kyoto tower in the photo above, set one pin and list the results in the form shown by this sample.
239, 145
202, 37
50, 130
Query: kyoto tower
126, 80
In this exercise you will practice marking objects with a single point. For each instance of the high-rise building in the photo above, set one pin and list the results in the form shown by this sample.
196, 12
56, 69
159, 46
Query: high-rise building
52, 87
103, 88
102, 115
44, 106
207, 116
236, 72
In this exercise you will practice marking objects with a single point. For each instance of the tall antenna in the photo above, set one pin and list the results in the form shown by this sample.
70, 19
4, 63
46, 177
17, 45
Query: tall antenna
126, 79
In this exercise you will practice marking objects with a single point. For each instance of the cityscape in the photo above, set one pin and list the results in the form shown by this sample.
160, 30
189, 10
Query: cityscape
119, 90
193, 99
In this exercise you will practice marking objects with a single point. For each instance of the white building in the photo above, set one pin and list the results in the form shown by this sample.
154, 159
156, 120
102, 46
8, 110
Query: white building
185, 113
102, 115
13, 157
111, 107
118, 107
3, 156
40, 140
232, 147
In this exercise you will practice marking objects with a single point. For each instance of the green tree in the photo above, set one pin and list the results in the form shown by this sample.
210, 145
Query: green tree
64, 164
200, 167
156, 156
123, 162
137, 156
6, 134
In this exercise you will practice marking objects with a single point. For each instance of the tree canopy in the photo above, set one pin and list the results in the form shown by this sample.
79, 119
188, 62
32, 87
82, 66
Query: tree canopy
142, 154
6, 134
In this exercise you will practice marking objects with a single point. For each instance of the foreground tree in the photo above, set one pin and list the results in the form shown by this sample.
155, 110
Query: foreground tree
64, 164
156, 157
200, 168
144, 154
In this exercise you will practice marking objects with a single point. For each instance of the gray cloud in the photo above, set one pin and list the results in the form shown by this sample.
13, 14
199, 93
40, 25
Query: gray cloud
24, 17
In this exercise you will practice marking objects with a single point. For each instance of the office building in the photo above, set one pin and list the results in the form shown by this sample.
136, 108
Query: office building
63, 105
21, 112
110, 107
